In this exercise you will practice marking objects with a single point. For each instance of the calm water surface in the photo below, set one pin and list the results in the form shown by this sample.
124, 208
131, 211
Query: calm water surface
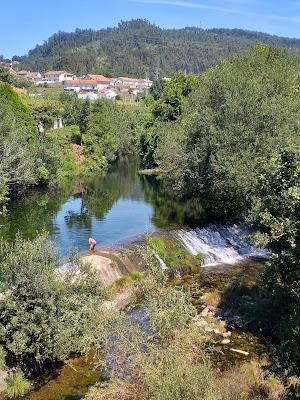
116, 208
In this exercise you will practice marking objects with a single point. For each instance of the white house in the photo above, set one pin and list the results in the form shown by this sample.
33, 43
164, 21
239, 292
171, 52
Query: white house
132, 84
57, 76
108, 94
88, 96
79, 85
128, 82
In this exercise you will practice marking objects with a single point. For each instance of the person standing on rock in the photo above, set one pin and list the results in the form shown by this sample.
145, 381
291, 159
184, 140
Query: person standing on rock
92, 244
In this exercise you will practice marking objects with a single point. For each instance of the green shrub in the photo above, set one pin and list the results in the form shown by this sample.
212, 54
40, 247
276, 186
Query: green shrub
136, 276
43, 174
2, 358
17, 385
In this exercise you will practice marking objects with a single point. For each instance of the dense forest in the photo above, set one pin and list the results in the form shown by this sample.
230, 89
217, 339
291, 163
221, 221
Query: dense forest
138, 48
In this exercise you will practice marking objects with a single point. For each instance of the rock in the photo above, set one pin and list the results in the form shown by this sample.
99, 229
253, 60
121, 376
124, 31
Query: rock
244, 353
204, 313
201, 323
208, 329
225, 313
237, 320
225, 341
223, 325
217, 332
226, 334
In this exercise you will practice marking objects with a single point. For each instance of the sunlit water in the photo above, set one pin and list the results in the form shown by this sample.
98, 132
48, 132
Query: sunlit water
117, 208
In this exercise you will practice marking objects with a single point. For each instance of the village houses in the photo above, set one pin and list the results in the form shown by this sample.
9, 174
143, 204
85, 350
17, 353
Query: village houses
57, 76
89, 86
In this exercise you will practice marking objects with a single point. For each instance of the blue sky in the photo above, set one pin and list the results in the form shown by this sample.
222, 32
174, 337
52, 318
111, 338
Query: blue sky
32, 21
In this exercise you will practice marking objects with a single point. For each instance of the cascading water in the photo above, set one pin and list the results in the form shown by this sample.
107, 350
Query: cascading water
222, 244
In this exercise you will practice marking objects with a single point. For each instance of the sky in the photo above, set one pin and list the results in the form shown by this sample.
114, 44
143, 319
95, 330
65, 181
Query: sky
30, 22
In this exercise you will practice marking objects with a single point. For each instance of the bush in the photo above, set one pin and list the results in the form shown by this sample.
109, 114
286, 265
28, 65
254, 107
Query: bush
17, 385
136, 275
47, 314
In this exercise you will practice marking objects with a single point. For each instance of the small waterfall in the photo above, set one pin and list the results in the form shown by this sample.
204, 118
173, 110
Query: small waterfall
222, 244
161, 261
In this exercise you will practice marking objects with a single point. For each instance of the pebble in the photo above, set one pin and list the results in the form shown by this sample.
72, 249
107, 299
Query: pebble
226, 334
225, 341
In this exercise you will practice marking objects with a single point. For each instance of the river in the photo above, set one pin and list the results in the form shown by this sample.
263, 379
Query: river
116, 208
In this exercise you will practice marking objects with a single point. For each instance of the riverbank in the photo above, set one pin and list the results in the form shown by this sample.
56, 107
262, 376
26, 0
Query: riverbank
116, 268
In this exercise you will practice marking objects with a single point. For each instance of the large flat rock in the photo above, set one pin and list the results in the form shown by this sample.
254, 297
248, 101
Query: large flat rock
106, 269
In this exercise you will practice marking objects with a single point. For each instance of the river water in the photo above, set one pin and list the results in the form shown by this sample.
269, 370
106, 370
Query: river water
115, 208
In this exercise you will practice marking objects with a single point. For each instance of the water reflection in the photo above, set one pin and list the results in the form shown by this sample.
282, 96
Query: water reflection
115, 208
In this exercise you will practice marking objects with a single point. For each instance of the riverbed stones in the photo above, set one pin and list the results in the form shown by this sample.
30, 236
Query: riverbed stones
226, 334
242, 352
225, 341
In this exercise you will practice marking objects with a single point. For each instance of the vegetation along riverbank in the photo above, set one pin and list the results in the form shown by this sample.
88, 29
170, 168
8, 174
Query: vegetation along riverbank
160, 320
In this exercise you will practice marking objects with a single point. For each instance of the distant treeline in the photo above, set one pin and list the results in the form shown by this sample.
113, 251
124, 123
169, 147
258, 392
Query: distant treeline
141, 49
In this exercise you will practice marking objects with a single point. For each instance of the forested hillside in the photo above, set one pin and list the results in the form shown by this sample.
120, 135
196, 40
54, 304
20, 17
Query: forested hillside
141, 49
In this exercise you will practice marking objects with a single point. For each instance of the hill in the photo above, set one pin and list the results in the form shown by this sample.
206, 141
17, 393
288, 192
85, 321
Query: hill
139, 48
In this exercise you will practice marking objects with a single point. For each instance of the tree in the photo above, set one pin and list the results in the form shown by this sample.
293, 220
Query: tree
167, 109
241, 114
45, 314
173, 97
277, 213
139, 48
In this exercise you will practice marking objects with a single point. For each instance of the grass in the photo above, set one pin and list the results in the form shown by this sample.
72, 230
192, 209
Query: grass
136, 275
212, 298
17, 385
173, 255
53, 93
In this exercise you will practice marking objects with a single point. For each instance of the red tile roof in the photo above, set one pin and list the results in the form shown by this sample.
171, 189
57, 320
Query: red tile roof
99, 78
81, 82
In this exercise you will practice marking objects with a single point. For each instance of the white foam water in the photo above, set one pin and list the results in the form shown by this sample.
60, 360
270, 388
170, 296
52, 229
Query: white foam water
161, 261
222, 244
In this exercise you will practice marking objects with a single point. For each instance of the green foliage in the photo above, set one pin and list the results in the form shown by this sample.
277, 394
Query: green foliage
167, 109
241, 115
173, 97
43, 175
45, 315
277, 212
7, 77
67, 135
2, 358
174, 255
12, 105
157, 88
26, 157
45, 110
139, 48
16, 154
17, 385
136, 275
111, 132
